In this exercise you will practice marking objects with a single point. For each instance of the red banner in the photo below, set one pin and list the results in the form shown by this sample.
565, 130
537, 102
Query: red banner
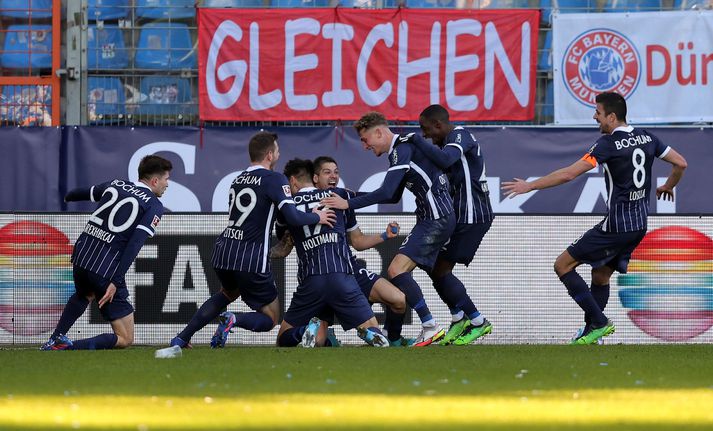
325, 64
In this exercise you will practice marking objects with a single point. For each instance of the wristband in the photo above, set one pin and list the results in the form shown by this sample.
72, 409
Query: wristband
384, 236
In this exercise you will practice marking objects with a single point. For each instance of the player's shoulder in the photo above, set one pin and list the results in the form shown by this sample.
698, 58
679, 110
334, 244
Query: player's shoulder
459, 135
344, 193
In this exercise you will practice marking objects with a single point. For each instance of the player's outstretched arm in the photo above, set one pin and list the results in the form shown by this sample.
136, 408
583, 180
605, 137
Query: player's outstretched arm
85, 194
294, 217
665, 191
519, 186
387, 192
363, 242
443, 158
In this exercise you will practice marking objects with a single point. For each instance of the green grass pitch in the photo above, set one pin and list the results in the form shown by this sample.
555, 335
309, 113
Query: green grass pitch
482, 387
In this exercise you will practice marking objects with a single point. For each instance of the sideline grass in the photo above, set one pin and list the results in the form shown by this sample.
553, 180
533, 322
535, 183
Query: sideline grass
491, 387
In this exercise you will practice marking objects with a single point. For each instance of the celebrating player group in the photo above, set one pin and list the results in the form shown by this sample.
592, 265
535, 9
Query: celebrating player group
309, 213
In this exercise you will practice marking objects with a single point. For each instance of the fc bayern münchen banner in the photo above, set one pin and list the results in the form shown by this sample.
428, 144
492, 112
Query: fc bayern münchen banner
661, 62
319, 64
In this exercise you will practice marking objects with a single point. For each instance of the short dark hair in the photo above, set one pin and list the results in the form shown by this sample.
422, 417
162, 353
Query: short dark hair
301, 169
260, 144
319, 161
153, 165
436, 113
613, 102
369, 120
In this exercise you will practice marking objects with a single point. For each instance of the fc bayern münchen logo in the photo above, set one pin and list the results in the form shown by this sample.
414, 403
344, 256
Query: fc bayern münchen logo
600, 60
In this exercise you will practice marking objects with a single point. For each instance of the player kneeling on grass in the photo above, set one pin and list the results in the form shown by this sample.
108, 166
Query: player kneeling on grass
127, 215
324, 270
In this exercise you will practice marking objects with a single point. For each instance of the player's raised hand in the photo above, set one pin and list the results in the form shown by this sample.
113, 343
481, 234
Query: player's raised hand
516, 187
392, 230
665, 193
326, 215
108, 295
335, 201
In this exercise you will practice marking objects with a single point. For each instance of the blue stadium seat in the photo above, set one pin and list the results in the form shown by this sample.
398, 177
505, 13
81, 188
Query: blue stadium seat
233, 3
548, 106
632, 5
106, 48
692, 4
165, 9
544, 63
22, 104
105, 98
166, 95
24, 49
26, 8
165, 46
566, 6
299, 3
105, 10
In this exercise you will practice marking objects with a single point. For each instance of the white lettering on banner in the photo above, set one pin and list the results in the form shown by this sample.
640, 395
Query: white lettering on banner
268, 100
230, 69
429, 64
298, 63
133, 278
520, 87
188, 256
376, 97
338, 95
455, 64
373, 83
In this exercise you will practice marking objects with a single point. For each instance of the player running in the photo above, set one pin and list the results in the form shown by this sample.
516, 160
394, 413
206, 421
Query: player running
626, 154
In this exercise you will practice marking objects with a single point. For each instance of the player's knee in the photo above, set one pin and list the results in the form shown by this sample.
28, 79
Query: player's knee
394, 271
398, 306
232, 295
123, 341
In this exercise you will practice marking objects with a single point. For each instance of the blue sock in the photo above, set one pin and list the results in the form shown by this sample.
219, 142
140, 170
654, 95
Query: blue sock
414, 296
601, 296
208, 311
600, 292
100, 342
291, 337
579, 291
76, 305
256, 322
453, 293
393, 324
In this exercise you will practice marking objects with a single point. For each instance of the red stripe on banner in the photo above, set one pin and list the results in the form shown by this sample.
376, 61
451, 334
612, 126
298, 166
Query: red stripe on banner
336, 64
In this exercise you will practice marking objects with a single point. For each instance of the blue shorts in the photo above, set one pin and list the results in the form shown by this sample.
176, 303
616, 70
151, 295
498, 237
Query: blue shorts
255, 289
426, 239
365, 278
464, 242
599, 248
88, 283
338, 292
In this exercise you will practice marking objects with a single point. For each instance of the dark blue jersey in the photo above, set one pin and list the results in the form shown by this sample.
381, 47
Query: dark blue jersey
320, 249
462, 160
255, 197
409, 167
626, 157
128, 213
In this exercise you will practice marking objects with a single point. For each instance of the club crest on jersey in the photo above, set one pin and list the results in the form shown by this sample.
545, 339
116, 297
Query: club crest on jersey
600, 60
154, 222
286, 189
